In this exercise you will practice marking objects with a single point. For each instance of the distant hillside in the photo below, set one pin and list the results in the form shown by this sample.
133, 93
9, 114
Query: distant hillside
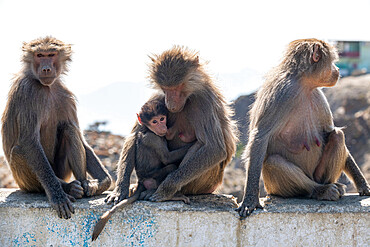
117, 103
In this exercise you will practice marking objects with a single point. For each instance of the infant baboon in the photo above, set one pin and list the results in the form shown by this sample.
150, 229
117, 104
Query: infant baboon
292, 137
153, 160
42, 140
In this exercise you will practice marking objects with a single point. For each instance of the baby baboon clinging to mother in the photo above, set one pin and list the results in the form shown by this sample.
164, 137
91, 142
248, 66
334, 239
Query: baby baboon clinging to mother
42, 141
153, 160
198, 113
292, 137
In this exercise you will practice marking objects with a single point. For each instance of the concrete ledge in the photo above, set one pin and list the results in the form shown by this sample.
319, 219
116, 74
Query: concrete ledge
28, 220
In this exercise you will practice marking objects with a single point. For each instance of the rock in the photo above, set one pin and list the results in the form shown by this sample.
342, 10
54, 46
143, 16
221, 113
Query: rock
6, 179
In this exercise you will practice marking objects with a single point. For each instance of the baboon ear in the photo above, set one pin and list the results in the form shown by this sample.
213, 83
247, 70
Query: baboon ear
316, 56
139, 119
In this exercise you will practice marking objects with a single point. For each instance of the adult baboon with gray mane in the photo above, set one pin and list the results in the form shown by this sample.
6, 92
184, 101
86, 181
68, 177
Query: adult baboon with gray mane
42, 141
199, 113
292, 137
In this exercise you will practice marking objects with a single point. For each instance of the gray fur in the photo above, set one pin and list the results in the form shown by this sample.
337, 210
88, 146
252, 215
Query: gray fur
289, 123
42, 140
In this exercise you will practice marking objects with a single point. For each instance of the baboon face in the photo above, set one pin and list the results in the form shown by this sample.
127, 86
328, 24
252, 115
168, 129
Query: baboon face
175, 97
329, 74
45, 67
176, 72
158, 125
46, 58
316, 58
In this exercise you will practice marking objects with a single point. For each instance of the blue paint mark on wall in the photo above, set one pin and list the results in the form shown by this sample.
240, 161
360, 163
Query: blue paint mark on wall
26, 239
81, 229
134, 230
141, 228
87, 227
62, 234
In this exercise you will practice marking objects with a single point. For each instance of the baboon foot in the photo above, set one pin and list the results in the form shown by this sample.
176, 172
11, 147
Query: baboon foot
146, 194
117, 195
329, 192
165, 192
74, 189
181, 197
341, 188
90, 187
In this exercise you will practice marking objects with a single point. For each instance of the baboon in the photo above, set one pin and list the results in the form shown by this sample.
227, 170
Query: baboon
292, 137
42, 141
153, 159
198, 112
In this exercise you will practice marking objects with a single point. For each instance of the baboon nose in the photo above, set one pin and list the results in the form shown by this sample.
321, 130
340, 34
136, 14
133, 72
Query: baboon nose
46, 69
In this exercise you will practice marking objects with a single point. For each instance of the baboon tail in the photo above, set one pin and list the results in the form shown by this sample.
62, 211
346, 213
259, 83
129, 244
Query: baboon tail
100, 224
98, 228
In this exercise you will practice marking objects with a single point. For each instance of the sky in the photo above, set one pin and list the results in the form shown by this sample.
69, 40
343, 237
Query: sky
240, 40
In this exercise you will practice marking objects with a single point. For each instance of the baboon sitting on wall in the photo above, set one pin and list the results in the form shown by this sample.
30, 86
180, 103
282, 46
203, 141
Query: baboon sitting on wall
197, 113
153, 159
42, 140
292, 137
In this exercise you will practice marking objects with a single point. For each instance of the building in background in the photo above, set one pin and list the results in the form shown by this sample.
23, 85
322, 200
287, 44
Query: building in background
354, 57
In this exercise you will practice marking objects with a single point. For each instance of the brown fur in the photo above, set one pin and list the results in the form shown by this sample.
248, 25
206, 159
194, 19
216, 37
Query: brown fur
147, 153
172, 67
204, 119
292, 137
42, 141
204, 114
153, 162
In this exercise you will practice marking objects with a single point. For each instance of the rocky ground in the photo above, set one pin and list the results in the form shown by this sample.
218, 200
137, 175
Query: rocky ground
6, 179
350, 103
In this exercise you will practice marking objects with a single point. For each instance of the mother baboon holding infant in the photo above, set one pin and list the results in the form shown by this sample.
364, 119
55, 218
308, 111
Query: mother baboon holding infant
199, 114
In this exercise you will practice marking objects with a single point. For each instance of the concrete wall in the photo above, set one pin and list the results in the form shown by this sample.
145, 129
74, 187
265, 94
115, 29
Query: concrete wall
210, 220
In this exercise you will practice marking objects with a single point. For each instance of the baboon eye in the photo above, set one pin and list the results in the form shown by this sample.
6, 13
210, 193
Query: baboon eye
39, 55
154, 122
51, 55
162, 119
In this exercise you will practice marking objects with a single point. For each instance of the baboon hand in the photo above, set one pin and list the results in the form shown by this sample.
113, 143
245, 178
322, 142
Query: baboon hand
62, 204
249, 204
117, 195
74, 189
90, 187
364, 191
